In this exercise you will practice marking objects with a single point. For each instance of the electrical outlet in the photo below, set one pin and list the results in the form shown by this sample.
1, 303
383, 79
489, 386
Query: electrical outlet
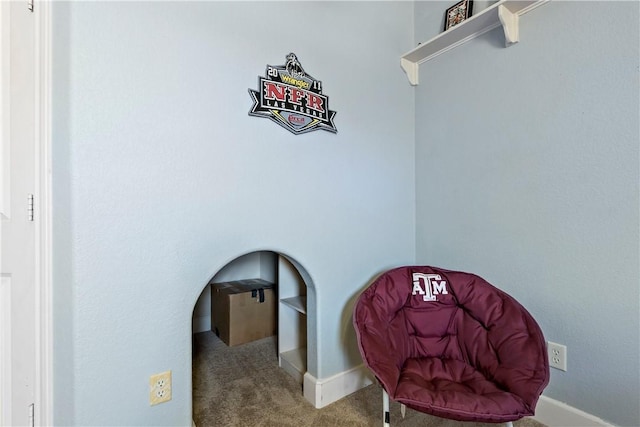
557, 355
160, 388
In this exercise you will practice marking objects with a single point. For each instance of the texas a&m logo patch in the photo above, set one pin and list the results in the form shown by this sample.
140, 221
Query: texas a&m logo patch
429, 286
289, 96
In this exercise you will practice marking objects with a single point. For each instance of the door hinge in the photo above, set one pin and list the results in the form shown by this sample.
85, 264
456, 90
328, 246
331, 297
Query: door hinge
32, 415
30, 5
30, 207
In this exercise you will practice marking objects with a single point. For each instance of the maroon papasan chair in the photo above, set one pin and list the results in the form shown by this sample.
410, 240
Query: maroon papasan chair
450, 344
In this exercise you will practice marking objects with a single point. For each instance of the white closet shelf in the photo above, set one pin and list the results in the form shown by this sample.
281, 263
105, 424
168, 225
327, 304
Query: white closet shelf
294, 362
505, 12
298, 303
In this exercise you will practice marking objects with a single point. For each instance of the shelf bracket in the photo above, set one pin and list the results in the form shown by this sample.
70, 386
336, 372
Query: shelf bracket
510, 24
411, 68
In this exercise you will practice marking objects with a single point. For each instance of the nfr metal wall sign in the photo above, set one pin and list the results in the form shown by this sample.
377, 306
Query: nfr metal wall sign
292, 98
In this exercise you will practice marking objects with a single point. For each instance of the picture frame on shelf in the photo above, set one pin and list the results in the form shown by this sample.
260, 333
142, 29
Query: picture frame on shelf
458, 13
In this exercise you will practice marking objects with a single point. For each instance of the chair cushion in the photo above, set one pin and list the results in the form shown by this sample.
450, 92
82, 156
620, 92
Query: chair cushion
453, 389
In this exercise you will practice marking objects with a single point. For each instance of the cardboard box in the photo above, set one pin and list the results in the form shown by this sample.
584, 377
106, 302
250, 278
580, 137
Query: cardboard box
243, 311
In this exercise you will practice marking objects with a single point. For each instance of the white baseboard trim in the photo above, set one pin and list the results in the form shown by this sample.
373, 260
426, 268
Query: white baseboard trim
201, 324
554, 413
328, 390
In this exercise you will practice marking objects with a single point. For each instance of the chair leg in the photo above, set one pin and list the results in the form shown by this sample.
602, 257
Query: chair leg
385, 408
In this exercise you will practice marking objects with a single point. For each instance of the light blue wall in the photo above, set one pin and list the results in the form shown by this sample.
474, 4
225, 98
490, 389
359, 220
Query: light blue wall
161, 178
527, 174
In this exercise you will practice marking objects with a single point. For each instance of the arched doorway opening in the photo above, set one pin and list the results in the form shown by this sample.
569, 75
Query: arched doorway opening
290, 352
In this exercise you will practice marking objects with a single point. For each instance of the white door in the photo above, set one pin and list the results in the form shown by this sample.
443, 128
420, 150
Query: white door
17, 231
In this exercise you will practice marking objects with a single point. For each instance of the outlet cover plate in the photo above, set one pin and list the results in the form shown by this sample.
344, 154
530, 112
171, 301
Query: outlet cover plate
160, 388
557, 355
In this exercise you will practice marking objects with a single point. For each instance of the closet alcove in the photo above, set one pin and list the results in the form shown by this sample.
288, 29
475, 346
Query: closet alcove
290, 314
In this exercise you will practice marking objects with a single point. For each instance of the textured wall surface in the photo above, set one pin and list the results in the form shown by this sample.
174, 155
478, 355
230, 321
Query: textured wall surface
527, 174
162, 178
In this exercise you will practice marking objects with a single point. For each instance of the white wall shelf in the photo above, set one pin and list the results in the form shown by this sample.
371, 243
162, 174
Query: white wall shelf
294, 362
505, 12
298, 303
292, 320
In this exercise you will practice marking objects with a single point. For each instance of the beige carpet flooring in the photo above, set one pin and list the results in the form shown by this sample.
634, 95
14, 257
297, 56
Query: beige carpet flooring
244, 387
